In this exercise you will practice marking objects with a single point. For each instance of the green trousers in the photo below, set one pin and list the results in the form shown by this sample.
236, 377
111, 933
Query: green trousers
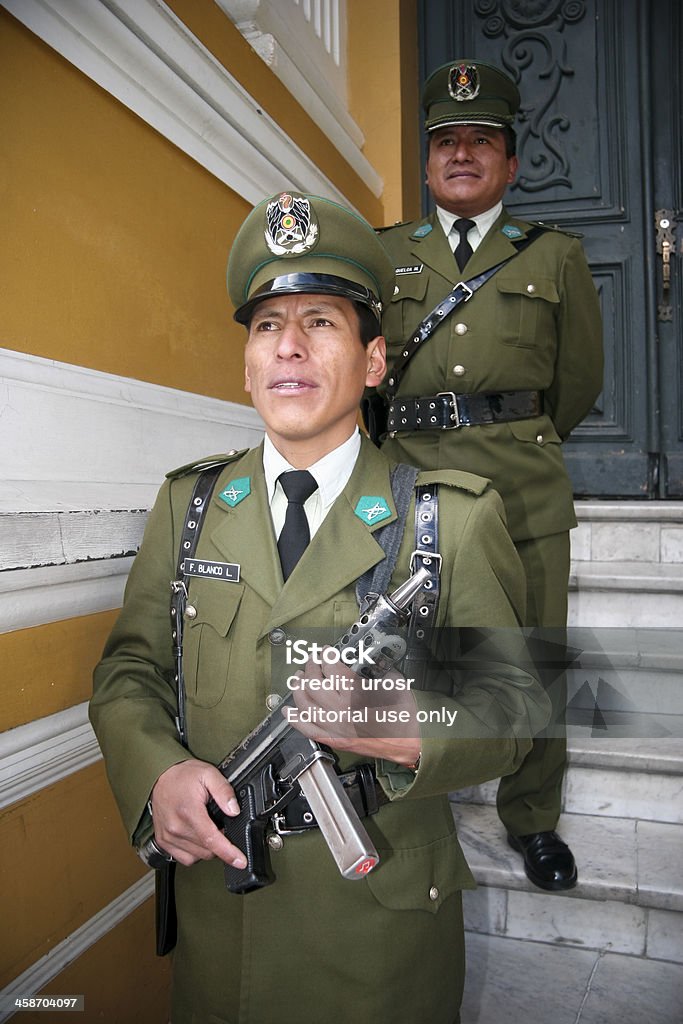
530, 799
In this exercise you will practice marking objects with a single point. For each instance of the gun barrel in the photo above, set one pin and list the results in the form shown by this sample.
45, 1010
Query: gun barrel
350, 845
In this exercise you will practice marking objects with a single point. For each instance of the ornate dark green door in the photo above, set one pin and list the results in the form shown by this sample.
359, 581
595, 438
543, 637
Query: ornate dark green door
601, 153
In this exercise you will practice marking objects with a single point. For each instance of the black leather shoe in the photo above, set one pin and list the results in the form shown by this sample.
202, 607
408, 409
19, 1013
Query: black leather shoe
548, 862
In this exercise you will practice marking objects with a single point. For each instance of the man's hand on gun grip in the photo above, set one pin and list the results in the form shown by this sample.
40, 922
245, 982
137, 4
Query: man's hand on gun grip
182, 826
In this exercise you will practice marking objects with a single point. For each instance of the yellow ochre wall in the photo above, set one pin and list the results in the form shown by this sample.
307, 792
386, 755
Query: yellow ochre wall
113, 258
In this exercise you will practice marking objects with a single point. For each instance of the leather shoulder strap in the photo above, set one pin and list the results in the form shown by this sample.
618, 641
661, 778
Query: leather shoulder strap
462, 292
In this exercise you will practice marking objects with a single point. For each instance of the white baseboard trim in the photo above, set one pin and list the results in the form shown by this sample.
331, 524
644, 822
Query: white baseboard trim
38, 754
38, 975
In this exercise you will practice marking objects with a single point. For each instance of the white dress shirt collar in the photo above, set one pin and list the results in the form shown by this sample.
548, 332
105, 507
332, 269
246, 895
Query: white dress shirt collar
483, 222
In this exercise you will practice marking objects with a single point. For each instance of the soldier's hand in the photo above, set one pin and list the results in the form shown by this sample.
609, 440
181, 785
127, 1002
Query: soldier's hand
182, 826
376, 722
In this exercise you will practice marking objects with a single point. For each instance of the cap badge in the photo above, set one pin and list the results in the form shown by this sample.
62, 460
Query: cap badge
372, 510
291, 225
463, 82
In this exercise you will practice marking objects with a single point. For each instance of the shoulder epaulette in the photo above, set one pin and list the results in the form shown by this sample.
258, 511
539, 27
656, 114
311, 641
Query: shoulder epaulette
208, 462
455, 478
556, 227
396, 224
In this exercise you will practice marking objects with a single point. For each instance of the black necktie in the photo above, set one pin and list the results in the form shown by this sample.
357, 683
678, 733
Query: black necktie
298, 485
463, 249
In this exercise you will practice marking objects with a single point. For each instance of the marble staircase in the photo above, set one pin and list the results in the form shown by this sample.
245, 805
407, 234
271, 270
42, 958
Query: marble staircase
612, 948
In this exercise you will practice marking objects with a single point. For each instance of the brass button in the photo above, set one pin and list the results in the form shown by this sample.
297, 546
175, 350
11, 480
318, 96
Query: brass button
461, 328
277, 636
433, 894
190, 612
275, 842
459, 370
531, 288
272, 701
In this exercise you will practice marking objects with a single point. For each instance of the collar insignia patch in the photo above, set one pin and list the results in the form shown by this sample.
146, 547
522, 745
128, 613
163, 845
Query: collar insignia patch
372, 510
510, 231
422, 231
291, 225
236, 491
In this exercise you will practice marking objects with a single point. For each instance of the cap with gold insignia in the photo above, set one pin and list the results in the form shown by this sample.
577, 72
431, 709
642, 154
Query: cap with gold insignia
302, 243
469, 91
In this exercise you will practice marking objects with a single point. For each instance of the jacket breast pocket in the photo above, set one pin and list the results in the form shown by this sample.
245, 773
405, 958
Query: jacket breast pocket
421, 878
207, 640
528, 305
407, 308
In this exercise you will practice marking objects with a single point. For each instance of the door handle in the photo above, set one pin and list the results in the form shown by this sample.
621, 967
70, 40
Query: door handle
666, 247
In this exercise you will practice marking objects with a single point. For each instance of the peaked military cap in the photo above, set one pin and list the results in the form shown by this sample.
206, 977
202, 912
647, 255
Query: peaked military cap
469, 91
302, 243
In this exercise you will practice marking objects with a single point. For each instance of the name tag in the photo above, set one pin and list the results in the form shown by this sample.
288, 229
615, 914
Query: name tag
415, 269
228, 571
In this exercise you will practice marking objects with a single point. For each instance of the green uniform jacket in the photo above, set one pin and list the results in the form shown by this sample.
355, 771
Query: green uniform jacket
534, 326
313, 947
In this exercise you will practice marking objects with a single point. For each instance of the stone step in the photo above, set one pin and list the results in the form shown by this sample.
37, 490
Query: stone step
626, 594
638, 779
629, 897
522, 982
636, 531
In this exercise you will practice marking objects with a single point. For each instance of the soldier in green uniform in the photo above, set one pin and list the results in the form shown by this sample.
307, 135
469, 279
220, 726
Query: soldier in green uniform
501, 382
308, 278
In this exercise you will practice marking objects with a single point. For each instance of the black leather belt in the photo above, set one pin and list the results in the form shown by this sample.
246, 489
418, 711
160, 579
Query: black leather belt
447, 411
362, 789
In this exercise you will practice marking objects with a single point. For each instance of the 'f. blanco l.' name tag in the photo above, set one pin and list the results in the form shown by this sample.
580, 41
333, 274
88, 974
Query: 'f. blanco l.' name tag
228, 571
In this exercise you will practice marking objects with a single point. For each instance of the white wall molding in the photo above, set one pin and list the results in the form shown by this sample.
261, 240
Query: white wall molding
76, 439
34, 597
305, 47
142, 54
42, 752
38, 975
84, 454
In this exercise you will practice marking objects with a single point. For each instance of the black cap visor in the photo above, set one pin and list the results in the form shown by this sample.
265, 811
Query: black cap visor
313, 284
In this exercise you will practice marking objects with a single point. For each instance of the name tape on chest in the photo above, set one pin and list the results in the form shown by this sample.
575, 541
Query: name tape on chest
227, 571
416, 268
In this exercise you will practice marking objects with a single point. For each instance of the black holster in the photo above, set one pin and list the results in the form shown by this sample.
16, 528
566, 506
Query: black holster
374, 410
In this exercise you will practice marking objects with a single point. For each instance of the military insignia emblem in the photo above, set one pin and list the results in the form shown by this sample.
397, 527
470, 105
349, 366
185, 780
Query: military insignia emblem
422, 231
236, 491
372, 510
463, 82
291, 227
510, 231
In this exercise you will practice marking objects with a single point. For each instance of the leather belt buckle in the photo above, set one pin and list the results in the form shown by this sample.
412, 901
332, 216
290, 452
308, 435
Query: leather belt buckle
426, 557
455, 413
466, 288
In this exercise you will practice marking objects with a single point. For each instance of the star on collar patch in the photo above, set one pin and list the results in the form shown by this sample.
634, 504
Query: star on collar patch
510, 231
372, 510
236, 491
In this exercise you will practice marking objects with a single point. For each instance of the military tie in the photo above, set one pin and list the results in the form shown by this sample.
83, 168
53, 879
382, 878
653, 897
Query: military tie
298, 486
463, 249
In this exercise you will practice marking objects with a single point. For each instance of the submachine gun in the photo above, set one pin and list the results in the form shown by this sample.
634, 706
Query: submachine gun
275, 763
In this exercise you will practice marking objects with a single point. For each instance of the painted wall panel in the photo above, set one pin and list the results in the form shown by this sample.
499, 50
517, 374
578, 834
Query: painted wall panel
50, 666
63, 856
